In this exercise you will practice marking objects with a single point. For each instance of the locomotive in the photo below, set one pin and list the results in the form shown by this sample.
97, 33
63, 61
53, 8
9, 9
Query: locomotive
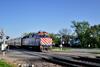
39, 40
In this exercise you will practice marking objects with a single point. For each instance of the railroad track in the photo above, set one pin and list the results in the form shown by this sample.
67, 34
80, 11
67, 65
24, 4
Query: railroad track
88, 59
65, 60
69, 61
78, 63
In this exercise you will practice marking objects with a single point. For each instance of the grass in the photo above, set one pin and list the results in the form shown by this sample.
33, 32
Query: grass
4, 64
60, 49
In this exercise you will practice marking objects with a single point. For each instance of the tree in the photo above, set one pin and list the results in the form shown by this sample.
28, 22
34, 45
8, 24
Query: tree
64, 31
95, 33
80, 27
64, 36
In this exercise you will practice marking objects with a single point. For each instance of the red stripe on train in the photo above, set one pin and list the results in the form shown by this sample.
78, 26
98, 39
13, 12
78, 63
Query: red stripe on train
46, 41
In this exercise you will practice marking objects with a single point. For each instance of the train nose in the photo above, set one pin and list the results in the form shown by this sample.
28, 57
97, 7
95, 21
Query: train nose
46, 41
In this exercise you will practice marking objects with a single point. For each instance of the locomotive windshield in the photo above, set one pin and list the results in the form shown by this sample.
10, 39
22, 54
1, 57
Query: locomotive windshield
43, 36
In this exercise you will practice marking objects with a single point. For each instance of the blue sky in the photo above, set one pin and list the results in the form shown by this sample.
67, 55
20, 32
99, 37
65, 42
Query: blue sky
19, 16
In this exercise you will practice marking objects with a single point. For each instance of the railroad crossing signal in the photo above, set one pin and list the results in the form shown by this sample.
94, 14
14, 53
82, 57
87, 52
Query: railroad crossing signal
1, 34
3, 40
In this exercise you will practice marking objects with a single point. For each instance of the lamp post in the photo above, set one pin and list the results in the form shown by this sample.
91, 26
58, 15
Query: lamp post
61, 43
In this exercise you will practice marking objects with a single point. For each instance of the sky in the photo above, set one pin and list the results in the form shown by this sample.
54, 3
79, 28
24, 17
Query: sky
20, 16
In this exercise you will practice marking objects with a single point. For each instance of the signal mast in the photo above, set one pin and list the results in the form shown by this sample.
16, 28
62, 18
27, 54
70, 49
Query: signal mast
3, 39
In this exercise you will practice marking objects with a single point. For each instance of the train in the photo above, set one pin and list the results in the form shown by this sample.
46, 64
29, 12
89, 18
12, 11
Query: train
40, 41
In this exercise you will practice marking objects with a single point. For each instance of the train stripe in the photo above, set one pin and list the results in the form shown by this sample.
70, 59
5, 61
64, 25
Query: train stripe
46, 41
42, 42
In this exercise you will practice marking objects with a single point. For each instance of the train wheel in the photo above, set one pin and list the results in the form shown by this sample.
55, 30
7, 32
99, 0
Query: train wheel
41, 48
46, 49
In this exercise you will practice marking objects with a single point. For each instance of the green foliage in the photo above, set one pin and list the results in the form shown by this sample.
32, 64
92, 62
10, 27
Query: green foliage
55, 38
80, 29
89, 35
4, 64
95, 32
